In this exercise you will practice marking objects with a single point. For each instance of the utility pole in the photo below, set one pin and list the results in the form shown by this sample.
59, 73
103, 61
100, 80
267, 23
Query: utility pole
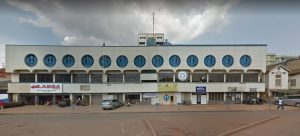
153, 24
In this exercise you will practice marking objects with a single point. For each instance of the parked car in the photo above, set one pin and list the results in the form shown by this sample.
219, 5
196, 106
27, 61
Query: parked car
292, 100
253, 100
111, 104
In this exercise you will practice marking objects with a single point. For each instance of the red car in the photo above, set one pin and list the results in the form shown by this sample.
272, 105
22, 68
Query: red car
2, 104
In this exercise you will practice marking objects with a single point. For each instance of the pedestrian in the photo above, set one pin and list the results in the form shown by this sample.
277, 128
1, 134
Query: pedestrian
280, 104
1, 105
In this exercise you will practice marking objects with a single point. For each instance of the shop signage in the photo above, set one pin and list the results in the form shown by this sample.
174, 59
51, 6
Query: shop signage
149, 95
45, 88
167, 87
232, 89
84, 87
253, 89
201, 89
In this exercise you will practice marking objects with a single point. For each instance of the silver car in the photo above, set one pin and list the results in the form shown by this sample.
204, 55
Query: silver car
111, 104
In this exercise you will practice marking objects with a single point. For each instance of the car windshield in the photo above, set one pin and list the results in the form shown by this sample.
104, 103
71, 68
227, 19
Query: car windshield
106, 101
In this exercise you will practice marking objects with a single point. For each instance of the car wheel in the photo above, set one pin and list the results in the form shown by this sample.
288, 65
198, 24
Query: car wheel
298, 105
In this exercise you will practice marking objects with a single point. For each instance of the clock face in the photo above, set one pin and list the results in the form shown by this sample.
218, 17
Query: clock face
210, 61
30, 60
122, 61
174, 61
68, 60
49, 60
87, 61
227, 60
192, 61
139, 61
245, 60
105, 61
157, 61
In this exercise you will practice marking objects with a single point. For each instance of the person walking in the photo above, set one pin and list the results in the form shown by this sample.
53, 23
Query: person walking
280, 104
1, 105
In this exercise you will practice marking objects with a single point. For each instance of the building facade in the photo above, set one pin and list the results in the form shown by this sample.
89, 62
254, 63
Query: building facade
197, 74
277, 78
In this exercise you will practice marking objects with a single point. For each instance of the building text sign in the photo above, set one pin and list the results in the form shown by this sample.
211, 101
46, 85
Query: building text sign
45, 88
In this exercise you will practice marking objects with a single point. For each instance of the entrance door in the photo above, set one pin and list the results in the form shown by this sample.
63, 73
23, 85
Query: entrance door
198, 98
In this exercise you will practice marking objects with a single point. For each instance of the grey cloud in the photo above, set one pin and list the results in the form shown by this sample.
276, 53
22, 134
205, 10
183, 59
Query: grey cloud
119, 22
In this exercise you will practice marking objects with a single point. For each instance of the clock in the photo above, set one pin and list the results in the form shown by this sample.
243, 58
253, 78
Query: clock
139, 61
105, 61
49, 60
174, 60
30, 60
68, 60
245, 60
227, 60
157, 61
122, 61
192, 61
209, 60
87, 61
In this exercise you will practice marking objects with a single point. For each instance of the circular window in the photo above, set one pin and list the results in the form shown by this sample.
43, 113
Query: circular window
30, 60
139, 61
209, 60
105, 61
122, 61
192, 61
174, 60
157, 61
68, 60
245, 60
227, 61
49, 60
87, 61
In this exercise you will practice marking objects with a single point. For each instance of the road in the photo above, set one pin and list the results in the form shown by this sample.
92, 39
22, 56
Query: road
148, 124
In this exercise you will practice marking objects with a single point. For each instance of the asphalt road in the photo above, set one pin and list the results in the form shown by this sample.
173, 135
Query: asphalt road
147, 124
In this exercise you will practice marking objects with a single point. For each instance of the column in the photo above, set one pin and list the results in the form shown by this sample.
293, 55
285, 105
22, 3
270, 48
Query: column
71, 98
71, 78
35, 77
258, 80
90, 78
257, 94
207, 77
124, 99
242, 97
141, 97
174, 77
242, 77
224, 77
225, 96
53, 78
191, 77
16, 97
36, 100
104, 78
90, 99
123, 77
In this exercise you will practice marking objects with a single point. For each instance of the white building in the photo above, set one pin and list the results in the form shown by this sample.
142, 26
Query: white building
142, 74
150, 39
277, 80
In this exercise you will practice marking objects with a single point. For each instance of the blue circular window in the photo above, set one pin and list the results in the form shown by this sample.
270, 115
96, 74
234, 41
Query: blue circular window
209, 60
192, 61
122, 61
49, 60
157, 61
139, 61
245, 60
105, 61
227, 61
30, 60
87, 61
68, 60
174, 60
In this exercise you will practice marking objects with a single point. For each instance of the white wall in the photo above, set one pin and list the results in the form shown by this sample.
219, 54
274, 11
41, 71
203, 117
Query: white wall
272, 78
297, 77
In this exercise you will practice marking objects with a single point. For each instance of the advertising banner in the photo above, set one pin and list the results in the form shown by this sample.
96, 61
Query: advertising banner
200, 89
45, 88
167, 87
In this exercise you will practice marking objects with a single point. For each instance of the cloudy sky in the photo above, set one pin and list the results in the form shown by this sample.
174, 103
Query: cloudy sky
118, 22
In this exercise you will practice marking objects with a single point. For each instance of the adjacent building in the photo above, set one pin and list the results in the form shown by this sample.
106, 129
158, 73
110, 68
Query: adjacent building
197, 74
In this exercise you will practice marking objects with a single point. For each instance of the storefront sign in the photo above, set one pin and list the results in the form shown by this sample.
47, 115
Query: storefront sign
4, 98
150, 95
45, 88
167, 87
201, 89
84, 87
253, 89
232, 89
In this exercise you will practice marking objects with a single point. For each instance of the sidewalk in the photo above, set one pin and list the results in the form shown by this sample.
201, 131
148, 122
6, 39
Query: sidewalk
142, 108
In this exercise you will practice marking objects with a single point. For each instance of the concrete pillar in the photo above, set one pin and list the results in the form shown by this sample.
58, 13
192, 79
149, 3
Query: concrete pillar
71, 78
242, 77
16, 97
36, 100
257, 94
225, 95
207, 77
90, 99
104, 78
191, 77
53, 78
90, 78
123, 78
124, 98
141, 97
258, 80
224, 77
242, 96
71, 98
174, 77
35, 77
